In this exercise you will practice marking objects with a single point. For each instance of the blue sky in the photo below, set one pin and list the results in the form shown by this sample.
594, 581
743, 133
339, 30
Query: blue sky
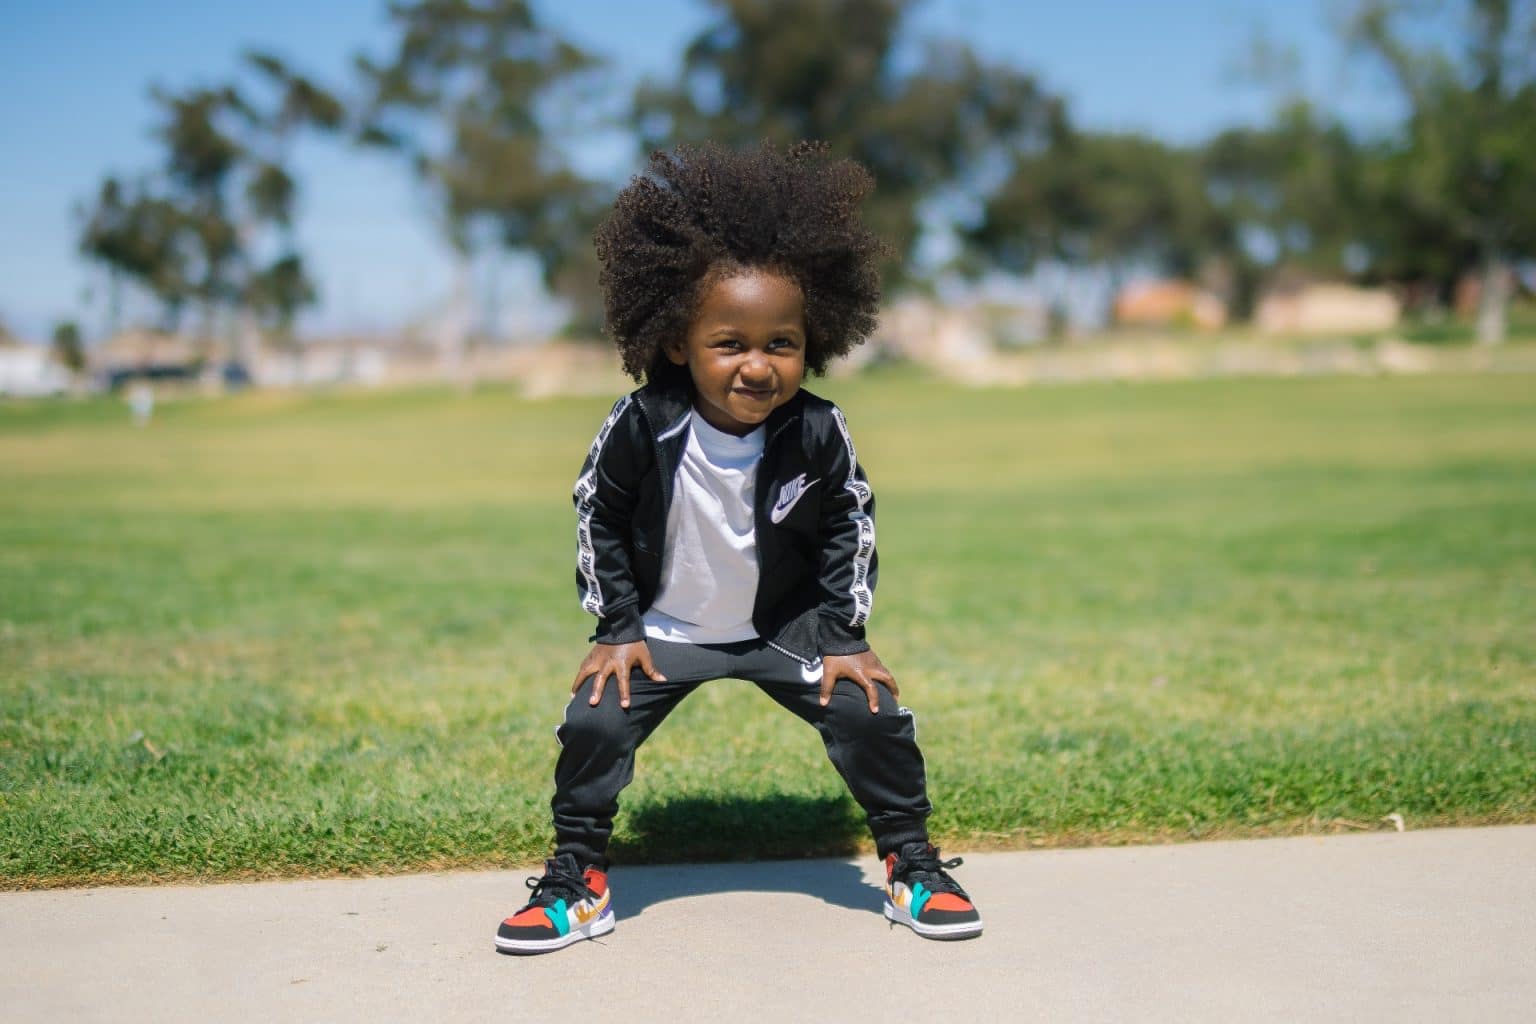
74, 106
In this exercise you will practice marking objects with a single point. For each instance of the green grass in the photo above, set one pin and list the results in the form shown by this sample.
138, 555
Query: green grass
308, 634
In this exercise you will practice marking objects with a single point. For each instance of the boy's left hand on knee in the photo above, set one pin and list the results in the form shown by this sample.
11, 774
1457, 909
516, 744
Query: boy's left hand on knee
864, 669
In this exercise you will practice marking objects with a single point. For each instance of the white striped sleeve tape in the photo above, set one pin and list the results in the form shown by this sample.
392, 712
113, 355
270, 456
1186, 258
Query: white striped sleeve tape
863, 597
586, 488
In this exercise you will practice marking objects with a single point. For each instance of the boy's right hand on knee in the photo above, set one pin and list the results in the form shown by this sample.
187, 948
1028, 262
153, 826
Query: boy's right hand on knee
615, 660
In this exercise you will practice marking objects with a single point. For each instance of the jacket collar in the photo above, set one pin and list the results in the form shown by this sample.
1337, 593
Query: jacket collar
664, 403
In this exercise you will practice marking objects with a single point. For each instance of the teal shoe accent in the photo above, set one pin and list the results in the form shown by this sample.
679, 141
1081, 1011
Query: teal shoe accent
920, 897
558, 917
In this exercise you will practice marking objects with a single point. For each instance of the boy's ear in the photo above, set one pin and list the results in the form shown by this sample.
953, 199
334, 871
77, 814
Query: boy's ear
677, 351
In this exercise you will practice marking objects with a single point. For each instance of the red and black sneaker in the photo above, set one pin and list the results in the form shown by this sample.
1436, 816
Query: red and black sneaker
567, 905
920, 894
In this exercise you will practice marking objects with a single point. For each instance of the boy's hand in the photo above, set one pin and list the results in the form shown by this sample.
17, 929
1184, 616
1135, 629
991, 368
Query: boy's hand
864, 669
615, 660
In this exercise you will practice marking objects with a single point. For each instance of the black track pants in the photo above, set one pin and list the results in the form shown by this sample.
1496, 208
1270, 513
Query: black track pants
876, 754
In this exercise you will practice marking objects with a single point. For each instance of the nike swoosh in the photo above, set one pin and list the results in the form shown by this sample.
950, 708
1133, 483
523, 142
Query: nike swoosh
811, 673
789, 496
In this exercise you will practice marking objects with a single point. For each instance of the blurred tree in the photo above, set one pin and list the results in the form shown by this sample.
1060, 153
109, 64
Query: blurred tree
464, 98
1112, 200
1459, 187
202, 159
930, 121
1295, 194
277, 291
68, 347
214, 226
134, 233
277, 286
1298, 181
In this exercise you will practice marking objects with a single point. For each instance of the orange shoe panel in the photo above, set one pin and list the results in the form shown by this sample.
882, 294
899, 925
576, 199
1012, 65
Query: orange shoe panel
946, 901
529, 917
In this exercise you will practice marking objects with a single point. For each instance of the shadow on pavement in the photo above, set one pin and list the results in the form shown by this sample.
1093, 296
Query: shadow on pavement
834, 882
779, 833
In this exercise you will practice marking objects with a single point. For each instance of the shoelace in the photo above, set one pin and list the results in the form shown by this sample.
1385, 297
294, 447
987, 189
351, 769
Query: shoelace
556, 885
926, 867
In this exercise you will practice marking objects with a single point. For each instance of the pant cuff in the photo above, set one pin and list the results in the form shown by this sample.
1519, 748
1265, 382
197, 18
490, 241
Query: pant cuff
889, 842
585, 854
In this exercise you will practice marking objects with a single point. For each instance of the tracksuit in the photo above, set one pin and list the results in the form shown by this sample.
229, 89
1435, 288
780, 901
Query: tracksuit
815, 542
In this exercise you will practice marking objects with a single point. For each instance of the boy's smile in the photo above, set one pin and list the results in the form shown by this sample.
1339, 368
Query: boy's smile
745, 348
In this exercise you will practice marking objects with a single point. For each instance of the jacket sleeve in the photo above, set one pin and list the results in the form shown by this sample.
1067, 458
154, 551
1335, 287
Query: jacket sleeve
605, 497
848, 560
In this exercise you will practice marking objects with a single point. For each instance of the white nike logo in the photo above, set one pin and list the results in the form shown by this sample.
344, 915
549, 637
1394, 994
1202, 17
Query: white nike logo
789, 494
811, 673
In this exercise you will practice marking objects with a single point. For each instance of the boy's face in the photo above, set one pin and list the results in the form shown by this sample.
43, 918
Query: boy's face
745, 349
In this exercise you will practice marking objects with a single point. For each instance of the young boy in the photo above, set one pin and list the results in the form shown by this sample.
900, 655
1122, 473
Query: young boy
724, 525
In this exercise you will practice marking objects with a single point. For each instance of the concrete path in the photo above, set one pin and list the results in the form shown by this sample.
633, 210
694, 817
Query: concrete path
1420, 926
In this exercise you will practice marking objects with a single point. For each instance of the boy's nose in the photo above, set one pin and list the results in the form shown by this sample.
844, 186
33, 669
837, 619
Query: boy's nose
756, 369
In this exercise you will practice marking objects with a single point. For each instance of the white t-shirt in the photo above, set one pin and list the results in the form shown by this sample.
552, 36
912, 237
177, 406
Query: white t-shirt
709, 568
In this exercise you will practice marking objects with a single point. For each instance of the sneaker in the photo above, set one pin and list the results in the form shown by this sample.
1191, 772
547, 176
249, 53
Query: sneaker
920, 894
567, 905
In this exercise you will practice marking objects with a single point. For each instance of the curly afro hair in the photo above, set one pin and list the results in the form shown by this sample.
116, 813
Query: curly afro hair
702, 213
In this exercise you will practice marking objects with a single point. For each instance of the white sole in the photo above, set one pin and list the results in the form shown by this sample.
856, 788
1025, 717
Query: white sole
600, 925
960, 930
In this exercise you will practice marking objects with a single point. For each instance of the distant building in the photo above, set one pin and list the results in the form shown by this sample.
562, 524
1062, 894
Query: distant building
969, 330
1169, 303
1327, 309
924, 331
325, 361
140, 349
30, 371
144, 355
1468, 295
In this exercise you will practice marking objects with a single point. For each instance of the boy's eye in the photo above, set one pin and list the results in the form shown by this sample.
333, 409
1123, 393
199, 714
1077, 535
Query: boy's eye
785, 344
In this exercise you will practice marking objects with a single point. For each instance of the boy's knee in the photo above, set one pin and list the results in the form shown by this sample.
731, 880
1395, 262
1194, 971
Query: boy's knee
605, 724
849, 713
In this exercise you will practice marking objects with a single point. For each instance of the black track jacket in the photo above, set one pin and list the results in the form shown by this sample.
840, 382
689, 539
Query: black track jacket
814, 521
